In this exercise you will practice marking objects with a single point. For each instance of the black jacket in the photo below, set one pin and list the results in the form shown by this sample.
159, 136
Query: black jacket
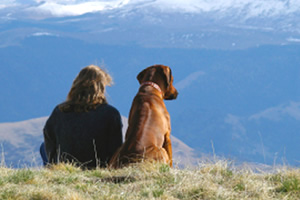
88, 139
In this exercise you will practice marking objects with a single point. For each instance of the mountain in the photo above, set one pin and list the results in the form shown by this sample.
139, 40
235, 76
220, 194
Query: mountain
20, 142
235, 64
155, 23
247, 9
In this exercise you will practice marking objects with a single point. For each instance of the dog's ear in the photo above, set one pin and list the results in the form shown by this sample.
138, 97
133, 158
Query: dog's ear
146, 74
167, 75
141, 75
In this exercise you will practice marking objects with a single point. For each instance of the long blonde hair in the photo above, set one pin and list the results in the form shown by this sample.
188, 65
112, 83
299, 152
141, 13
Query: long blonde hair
88, 90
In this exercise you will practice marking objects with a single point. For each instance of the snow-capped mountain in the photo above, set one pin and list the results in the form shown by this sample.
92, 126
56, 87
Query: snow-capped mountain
247, 8
231, 24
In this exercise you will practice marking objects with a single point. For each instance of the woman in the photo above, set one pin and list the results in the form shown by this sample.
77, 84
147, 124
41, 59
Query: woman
85, 129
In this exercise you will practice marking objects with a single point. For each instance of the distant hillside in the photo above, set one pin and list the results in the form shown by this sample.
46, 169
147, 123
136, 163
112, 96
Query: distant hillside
20, 142
245, 102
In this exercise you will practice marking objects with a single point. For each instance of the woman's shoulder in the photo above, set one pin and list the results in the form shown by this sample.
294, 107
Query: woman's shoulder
53, 116
56, 111
57, 108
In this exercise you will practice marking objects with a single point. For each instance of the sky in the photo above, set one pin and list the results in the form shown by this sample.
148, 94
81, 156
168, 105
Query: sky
247, 8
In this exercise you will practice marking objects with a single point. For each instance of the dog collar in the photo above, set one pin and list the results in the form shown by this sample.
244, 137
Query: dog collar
153, 85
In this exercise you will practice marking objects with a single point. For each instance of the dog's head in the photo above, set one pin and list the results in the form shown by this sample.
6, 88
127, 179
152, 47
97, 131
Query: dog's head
161, 75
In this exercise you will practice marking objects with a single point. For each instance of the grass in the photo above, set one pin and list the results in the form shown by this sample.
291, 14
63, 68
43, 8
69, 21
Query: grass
219, 181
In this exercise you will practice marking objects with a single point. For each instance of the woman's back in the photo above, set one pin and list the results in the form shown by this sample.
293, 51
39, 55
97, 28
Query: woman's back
89, 138
84, 129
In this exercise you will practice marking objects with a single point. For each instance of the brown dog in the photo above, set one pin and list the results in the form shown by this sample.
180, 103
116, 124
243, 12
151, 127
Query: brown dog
148, 133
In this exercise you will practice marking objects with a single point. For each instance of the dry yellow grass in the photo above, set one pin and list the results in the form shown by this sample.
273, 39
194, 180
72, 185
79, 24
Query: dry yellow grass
219, 180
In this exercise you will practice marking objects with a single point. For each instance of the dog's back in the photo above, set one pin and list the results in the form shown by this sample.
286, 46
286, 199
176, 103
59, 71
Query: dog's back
148, 133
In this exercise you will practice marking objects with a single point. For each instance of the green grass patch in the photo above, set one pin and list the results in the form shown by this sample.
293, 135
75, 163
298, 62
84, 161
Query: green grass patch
217, 180
291, 184
21, 176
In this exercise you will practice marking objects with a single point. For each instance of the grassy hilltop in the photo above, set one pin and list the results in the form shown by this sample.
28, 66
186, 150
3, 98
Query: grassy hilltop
219, 180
